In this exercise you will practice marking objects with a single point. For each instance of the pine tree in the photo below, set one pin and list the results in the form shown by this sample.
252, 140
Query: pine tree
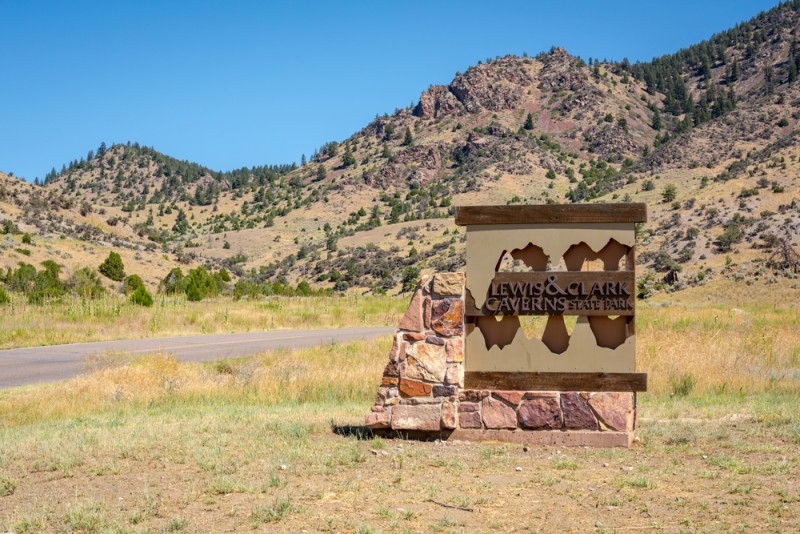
529, 122
408, 140
113, 267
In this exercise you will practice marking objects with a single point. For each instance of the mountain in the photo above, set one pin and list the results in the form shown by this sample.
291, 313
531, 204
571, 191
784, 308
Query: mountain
706, 136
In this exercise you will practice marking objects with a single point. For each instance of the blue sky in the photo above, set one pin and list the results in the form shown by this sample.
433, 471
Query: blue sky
236, 83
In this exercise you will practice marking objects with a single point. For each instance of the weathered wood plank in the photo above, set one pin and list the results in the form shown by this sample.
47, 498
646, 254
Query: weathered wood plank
556, 381
558, 293
552, 214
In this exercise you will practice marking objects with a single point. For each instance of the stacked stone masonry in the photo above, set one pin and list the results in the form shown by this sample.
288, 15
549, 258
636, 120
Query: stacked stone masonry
422, 385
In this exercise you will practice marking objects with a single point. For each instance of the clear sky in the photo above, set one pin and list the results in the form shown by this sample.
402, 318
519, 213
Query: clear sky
242, 83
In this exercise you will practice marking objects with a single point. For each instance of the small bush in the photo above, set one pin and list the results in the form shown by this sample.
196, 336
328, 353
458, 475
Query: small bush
113, 267
26, 239
132, 283
4, 298
141, 297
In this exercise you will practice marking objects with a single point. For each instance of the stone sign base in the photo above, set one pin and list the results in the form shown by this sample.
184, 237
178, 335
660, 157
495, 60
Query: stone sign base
421, 392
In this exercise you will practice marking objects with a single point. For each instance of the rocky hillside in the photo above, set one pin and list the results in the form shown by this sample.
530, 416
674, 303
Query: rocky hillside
706, 136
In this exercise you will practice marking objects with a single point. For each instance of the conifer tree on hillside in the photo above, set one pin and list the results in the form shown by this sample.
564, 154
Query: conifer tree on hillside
113, 267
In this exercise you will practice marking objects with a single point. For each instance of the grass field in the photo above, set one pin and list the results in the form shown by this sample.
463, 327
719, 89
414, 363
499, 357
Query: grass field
75, 320
151, 445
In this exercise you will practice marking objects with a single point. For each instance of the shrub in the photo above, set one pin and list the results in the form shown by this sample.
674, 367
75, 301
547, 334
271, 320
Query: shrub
86, 283
174, 282
132, 283
4, 298
733, 233
141, 297
26, 239
112, 267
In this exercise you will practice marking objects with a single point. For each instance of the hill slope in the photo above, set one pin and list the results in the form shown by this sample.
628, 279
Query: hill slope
707, 137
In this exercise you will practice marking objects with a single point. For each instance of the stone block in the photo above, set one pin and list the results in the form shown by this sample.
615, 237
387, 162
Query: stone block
444, 391
452, 375
414, 388
465, 407
472, 395
511, 397
426, 417
497, 414
448, 284
426, 362
449, 415
614, 409
389, 381
379, 419
435, 340
426, 313
469, 420
447, 317
576, 412
455, 350
412, 320
413, 336
540, 414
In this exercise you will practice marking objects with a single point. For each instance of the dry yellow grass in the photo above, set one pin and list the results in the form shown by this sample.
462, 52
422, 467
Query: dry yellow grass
75, 320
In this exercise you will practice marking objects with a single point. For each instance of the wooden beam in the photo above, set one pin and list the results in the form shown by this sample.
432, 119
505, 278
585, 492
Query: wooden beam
552, 214
556, 381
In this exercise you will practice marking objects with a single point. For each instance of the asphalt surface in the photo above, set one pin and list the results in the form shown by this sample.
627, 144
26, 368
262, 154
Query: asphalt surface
35, 365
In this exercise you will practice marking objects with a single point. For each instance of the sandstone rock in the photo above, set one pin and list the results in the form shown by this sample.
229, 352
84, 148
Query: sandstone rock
414, 388
434, 340
540, 394
389, 381
614, 409
497, 414
472, 395
379, 419
412, 320
380, 409
577, 413
539, 414
426, 313
427, 417
436, 100
447, 317
448, 284
511, 397
414, 401
426, 362
413, 336
391, 369
455, 349
444, 391
465, 407
381, 396
453, 375
448, 415
469, 419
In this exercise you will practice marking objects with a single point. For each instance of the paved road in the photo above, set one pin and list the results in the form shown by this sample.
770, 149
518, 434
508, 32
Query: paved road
34, 365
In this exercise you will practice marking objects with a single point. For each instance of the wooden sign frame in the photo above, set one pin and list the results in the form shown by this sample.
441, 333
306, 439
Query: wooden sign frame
558, 249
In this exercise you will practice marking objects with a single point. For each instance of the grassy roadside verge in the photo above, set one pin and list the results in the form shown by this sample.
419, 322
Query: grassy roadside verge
75, 320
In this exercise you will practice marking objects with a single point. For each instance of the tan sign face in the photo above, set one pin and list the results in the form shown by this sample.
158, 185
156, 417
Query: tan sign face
569, 264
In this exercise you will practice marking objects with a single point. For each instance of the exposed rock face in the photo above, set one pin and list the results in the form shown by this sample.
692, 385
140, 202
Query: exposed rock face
436, 101
561, 72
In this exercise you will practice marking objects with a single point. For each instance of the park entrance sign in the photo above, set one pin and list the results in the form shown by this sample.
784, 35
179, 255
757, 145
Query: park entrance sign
554, 261
535, 344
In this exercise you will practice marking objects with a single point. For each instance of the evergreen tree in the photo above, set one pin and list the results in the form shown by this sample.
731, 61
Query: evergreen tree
529, 122
408, 140
112, 267
181, 225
